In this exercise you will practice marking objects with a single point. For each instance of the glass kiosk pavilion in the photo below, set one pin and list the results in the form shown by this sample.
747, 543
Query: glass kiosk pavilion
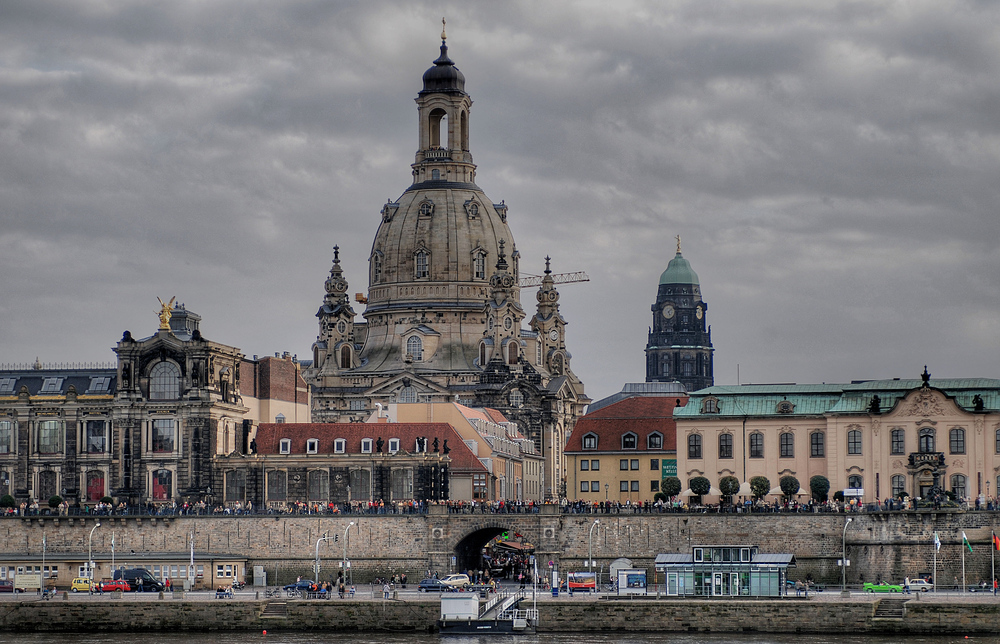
724, 571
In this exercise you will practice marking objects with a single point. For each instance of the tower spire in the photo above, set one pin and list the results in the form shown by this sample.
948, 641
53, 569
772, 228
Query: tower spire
444, 36
678, 244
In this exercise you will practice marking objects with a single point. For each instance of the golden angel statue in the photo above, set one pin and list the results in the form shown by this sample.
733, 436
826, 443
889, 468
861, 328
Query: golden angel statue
165, 310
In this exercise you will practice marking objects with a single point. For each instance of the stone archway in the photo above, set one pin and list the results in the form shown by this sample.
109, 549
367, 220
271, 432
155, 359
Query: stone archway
468, 550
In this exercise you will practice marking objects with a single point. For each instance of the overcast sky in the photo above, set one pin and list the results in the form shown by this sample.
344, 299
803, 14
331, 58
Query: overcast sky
833, 170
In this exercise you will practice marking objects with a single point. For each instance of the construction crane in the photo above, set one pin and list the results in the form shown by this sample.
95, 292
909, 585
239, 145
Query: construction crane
558, 278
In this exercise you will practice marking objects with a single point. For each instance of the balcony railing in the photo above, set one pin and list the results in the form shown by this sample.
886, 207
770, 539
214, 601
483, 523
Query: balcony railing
920, 459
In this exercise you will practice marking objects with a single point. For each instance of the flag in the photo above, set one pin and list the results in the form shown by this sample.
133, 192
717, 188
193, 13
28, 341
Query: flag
965, 541
996, 541
937, 542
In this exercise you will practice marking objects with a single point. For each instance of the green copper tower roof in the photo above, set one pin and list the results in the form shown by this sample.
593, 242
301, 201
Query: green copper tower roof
679, 271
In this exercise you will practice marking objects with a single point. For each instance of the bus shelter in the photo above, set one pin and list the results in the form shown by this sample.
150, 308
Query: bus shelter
724, 571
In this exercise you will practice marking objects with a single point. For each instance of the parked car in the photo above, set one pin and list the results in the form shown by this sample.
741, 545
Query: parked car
6, 585
110, 585
140, 579
882, 588
432, 586
80, 585
456, 580
920, 584
301, 585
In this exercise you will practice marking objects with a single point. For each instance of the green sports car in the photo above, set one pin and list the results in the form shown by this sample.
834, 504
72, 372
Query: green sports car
883, 588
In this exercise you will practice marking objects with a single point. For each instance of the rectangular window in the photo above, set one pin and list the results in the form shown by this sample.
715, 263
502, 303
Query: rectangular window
623, 465
6, 436
96, 437
163, 435
49, 437
585, 486
786, 445
312, 446
393, 445
725, 445
479, 486
634, 463
357, 405
285, 446
595, 486
635, 486
699, 555
756, 445
584, 465
366, 446
220, 571
654, 486
402, 484
623, 486
854, 441
654, 464
339, 446
898, 441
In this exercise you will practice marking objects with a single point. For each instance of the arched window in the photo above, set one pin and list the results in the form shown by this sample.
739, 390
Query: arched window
95, 485
817, 444
756, 445
855, 482
464, 121
277, 485
854, 441
345, 357
958, 486
437, 130
515, 398
629, 441
694, 446
513, 350
163, 487
164, 382
926, 440
236, 486
786, 445
407, 395
898, 485
482, 358
725, 445
415, 347
376, 268
898, 441
710, 406
319, 486
956, 440
421, 264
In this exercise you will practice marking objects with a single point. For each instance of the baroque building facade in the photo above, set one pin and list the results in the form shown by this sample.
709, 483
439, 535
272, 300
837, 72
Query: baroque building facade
443, 314
679, 347
871, 439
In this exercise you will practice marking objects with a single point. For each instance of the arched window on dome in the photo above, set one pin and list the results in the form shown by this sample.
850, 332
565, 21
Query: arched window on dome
164, 382
376, 267
345, 357
479, 266
421, 264
415, 348
482, 357
435, 175
512, 352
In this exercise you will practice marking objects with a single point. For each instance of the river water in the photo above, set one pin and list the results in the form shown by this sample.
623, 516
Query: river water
293, 637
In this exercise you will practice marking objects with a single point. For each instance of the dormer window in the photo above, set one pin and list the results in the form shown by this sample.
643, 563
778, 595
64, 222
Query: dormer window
710, 406
51, 386
366, 446
339, 446
312, 446
590, 441
654, 441
99, 384
393, 445
285, 446
785, 407
279, 419
7, 385
629, 441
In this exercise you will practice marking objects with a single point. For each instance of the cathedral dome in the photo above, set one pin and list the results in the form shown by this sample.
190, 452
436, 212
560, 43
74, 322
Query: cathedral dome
679, 271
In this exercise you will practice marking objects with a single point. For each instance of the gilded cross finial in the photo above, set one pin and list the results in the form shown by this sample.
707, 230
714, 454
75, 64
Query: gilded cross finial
547, 270
336, 254
443, 35
678, 244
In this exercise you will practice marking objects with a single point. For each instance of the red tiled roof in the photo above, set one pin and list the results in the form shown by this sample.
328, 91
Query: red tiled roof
269, 436
495, 415
641, 415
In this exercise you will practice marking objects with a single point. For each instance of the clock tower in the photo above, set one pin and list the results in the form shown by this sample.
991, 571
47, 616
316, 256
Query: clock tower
679, 347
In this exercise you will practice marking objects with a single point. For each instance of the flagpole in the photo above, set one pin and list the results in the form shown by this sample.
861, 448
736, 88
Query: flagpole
965, 588
993, 563
935, 562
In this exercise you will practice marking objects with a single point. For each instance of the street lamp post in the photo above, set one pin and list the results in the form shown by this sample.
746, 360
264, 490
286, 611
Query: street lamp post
90, 554
590, 545
843, 561
316, 565
607, 486
345, 549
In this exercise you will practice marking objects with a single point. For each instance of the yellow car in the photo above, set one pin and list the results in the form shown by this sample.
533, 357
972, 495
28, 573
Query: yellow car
80, 585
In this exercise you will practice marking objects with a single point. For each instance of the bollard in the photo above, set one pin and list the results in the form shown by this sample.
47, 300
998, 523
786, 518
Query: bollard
161, 595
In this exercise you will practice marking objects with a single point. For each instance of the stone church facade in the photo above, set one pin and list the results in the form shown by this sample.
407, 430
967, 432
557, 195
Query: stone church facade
443, 313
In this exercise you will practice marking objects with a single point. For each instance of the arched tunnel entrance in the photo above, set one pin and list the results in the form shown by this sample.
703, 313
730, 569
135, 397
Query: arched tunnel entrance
503, 551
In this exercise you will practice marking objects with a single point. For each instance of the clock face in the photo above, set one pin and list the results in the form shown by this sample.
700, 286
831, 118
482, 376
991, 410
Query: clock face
698, 313
668, 311
553, 335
